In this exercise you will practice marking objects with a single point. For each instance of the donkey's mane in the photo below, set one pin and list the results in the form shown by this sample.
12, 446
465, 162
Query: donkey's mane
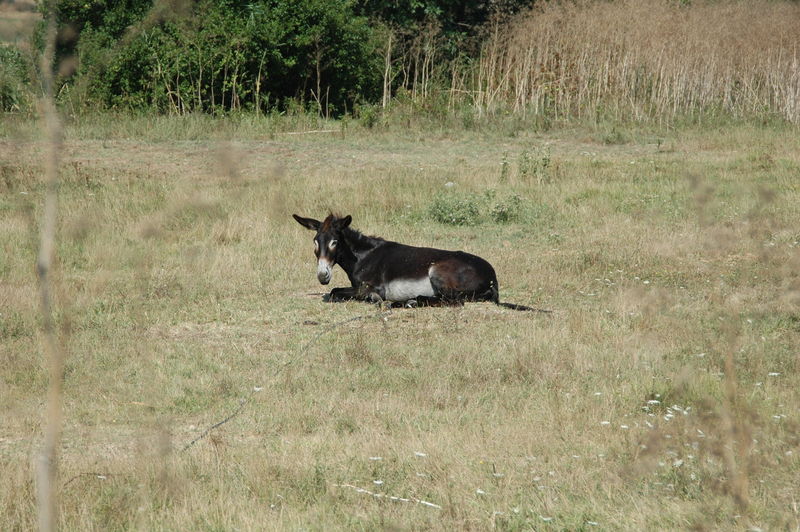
355, 238
359, 240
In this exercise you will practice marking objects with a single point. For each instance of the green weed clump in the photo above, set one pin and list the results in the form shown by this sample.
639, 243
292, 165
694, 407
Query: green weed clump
507, 209
474, 209
535, 164
455, 210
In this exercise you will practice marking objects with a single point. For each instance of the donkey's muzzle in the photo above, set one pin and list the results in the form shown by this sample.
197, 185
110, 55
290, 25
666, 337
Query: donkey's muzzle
324, 272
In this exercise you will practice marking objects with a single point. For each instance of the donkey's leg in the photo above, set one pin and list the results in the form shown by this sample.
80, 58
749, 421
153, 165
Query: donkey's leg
338, 295
372, 294
426, 301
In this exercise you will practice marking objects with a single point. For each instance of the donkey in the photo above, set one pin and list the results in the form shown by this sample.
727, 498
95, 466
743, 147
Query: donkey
380, 270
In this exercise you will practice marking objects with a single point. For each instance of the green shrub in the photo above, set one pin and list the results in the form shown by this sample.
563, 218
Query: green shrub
504, 168
535, 164
223, 56
14, 81
369, 115
453, 208
507, 209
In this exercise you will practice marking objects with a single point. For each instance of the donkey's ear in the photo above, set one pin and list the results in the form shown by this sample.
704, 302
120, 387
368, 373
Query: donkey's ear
344, 222
308, 223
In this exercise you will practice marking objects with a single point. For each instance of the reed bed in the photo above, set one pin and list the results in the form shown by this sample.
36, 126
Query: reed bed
649, 59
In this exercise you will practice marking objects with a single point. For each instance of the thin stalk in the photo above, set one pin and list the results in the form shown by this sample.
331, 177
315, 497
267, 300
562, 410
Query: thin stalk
47, 460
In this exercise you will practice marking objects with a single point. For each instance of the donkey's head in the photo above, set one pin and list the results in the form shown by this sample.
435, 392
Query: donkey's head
326, 242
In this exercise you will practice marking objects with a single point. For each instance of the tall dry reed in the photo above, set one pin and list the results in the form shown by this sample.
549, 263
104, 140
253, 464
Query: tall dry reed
47, 459
637, 59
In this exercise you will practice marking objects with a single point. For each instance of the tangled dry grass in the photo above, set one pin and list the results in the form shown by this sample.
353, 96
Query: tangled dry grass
206, 385
662, 395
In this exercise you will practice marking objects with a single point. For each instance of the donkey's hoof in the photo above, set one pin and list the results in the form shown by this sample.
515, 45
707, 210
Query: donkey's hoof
411, 303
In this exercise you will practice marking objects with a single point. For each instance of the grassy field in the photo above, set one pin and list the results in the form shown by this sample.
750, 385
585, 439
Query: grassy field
17, 21
662, 393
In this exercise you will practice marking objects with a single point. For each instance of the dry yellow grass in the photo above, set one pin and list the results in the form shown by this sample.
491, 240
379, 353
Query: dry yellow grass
184, 287
645, 60
17, 22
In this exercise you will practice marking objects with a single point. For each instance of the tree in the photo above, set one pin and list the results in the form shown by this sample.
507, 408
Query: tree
220, 56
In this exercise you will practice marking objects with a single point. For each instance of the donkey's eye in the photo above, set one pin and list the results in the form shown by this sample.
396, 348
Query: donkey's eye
332, 244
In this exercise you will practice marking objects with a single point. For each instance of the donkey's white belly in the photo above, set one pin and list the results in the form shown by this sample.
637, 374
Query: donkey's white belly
405, 289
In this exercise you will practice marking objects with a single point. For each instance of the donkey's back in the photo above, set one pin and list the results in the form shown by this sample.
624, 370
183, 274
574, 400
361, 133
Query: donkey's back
398, 272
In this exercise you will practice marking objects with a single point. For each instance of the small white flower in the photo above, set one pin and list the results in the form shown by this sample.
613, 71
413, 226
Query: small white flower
605, 423
377, 482
375, 458
545, 519
480, 492
773, 374
419, 454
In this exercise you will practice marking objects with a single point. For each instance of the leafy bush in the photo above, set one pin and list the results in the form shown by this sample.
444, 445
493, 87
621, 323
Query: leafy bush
14, 80
222, 56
